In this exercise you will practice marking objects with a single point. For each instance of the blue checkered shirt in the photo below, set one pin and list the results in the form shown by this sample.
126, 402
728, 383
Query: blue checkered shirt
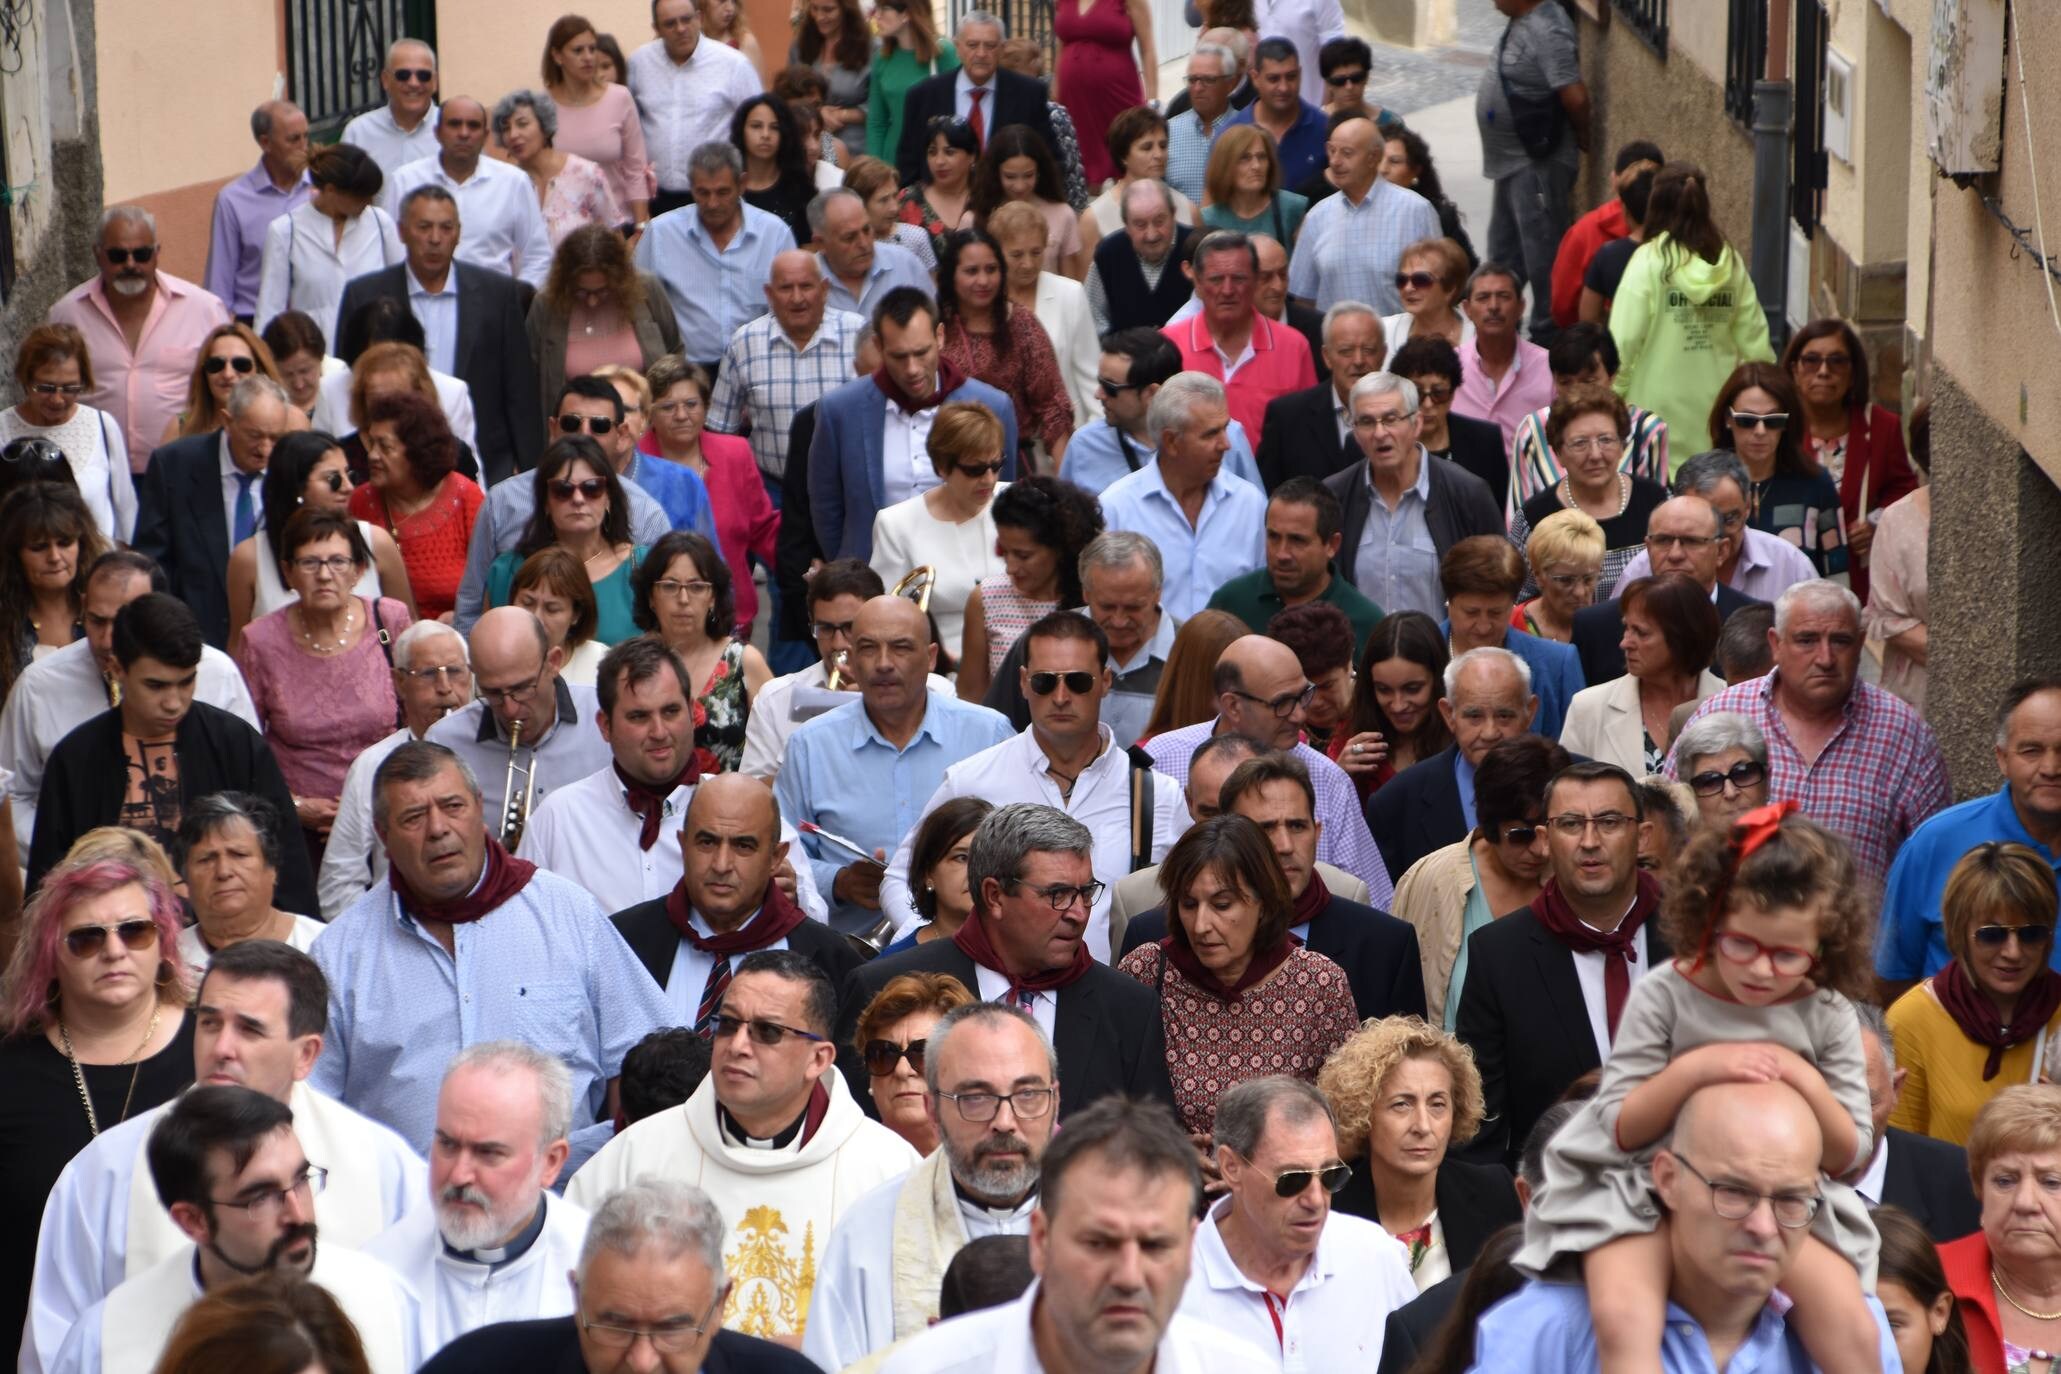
1350, 252
1187, 151
768, 381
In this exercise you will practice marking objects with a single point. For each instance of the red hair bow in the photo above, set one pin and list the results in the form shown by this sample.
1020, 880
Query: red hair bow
1749, 833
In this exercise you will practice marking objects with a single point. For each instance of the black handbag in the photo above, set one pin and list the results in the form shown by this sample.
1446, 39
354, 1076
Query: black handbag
1537, 123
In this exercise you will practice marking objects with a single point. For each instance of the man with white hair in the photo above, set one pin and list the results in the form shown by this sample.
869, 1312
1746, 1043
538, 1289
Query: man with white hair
1306, 433
1209, 526
1857, 759
982, 94
495, 1243
860, 269
784, 361
403, 130
1135, 278
1403, 508
1213, 70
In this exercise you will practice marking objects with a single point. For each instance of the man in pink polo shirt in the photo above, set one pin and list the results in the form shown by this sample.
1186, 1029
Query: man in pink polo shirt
144, 329
1257, 359
1503, 375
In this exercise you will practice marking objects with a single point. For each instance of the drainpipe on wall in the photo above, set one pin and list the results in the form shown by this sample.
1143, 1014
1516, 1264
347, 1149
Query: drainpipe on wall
1772, 97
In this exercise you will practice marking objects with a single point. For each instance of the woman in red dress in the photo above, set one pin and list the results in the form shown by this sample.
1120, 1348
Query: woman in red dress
1098, 78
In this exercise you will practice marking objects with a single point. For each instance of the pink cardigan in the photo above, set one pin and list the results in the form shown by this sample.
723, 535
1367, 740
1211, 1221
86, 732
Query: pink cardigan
746, 522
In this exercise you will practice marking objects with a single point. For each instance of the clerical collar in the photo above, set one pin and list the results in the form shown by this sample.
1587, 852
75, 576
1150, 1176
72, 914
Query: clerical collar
738, 1136
512, 1251
997, 1213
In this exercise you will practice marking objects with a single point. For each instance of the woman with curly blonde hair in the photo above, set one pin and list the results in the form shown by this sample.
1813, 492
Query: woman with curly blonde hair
1403, 1093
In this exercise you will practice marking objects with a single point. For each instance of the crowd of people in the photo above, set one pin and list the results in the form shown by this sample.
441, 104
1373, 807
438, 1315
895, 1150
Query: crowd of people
915, 718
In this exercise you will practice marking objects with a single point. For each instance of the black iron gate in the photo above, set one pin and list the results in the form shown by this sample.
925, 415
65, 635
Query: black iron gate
336, 48
1746, 57
1807, 174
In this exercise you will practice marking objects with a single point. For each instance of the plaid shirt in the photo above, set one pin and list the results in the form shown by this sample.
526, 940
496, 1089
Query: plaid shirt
1349, 252
1878, 777
767, 380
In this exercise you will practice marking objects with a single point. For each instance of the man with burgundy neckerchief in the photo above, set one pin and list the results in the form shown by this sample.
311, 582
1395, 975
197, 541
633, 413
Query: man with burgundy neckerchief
727, 903
464, 942
1547, 983
1031, 871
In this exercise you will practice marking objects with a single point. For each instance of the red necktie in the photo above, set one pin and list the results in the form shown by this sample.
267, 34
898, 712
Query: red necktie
712, 994
974, 118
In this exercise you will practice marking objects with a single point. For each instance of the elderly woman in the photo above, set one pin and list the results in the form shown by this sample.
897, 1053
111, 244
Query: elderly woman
52, 367
1059, 302
1670, 629
1242, 191
47, 547
1395, 719
230, 353
229, 856
747, 522
1137, 143
414, 493
951, 527
1899, 599
1723, 757
596, 309
1564, 553
1589, 429
97, 1033
1429, 277
1988, 1018
682, 594
1791, 497
553, 586
1041, 526
336, 234
581, 508
1498, 868
320, 668
1859, 444
2006, 1277
938, 857
876, 183
1583, 356
891, 1037
570, 190
1239, 997
596, 117
1404, 1093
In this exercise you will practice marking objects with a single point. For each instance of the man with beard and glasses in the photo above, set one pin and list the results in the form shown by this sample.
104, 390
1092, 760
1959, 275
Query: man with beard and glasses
993, 1081
496, 1245
230, 1170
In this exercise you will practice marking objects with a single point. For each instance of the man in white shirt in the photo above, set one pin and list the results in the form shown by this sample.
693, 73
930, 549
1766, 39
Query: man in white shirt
432, 679
992, 1078
504, 224
1067, 760
1273, 1263
494, 1244
259, 1020
686, 88
403, 130
1110, 1242
1306, 24
64, 689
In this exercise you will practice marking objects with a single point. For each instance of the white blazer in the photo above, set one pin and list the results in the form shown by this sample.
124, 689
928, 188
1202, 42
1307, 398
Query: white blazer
304, 268
1603, 722
1063, 310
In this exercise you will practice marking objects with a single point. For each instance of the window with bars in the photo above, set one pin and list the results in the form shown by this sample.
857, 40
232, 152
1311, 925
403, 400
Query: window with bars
335, 50
1746, 57
1647, 19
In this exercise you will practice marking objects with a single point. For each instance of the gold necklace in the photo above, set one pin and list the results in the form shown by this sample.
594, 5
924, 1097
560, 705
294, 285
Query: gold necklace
1997, 1281
79, 1076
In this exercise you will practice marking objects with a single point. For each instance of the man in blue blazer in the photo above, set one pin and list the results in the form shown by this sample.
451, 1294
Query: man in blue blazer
860, 423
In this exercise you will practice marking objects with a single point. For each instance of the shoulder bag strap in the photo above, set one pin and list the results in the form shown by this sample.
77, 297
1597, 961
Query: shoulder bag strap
1142, 814
386, 646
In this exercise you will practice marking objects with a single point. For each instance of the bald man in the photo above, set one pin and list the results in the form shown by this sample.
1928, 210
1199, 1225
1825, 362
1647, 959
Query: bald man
1261, 693
864, 771
503, 223
1683, 535
405, 128
246, 207
1752, 1148
516, 669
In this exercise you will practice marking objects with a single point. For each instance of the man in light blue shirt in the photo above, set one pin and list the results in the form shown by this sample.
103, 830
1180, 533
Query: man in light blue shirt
860, 268
463, 943
1135, 363
715, 257
1208, 525
863, 770
1739, 1185
1212, 72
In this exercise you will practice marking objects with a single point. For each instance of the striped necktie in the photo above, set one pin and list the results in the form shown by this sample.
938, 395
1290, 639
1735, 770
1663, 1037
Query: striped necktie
712, 995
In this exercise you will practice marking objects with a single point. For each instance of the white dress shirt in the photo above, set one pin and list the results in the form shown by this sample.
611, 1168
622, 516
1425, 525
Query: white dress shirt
689, 976
998, 1340
1043, 1007
305, 268
454, 398
457, 1293
1869, 1184
391, 146
354, 859
905, 468
500, 223
685, 104
438, 311
1588, 971
962, 101
1305, 23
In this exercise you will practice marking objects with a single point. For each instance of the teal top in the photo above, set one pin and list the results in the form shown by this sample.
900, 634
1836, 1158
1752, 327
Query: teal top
893, 74
1280, 221
1473, 917
613, 599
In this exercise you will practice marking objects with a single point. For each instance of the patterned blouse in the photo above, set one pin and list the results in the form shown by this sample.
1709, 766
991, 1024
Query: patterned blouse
1803, 509
577, 196
1029, 376
916, 210
1536, 467
1008, 614
722, 709
433, 541
1289, 1023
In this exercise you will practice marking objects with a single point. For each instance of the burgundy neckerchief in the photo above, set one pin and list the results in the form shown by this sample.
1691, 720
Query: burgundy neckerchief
1976, 1015
649, 804
949, 380
1311, 904
506, 875
776, 917
1553, 912
1264, 962
972, 937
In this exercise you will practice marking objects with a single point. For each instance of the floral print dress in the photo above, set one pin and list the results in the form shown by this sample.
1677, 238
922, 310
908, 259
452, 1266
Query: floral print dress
722, 709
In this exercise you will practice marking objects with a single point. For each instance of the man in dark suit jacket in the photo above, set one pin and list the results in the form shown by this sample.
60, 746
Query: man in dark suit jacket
1927, 1178
490, 348
1681, 536
1104, 1025
1005, 98
202, 495
1301, 436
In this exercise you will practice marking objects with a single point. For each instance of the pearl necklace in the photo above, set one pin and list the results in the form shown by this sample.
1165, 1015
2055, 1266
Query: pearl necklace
343, 640
1624, 494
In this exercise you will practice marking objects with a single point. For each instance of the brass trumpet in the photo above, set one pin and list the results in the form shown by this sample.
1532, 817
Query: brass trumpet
515, 809
914, 585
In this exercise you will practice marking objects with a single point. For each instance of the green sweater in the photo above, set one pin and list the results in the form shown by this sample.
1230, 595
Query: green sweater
893, 75
1252, 599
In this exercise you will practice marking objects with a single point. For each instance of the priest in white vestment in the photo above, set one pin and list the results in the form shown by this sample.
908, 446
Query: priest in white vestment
240, 1221
259, 1021
879, 1277
772, 1135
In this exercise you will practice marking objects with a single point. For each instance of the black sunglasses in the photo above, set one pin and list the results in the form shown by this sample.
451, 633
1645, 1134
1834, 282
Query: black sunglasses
593, 424
1358, 78
1291, 1182
881, 1056
1996, 937
763, 1032
333, 480
421, 74
86, 941
593, 488
1742, 775
1423, 281
979, 470
120, 256
1078, 682
1523, 833
241, 364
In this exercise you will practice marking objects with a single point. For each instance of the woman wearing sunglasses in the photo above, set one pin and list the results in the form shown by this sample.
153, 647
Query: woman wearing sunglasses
53, 369
1403, 1094
747, 522
582, 509
231, 353
1429, 278
1992, 1017
1723, 757
891, 1038
1239, 996
307, 471
951, 527
682, 593
1041, 526
417, 496
1758, 416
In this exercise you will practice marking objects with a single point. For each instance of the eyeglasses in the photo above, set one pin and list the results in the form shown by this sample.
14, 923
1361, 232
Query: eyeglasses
86, 941
1045, 684
66, 389
881, 1056
1823, 362
1742, 775
518, 694
265, 1205
1573, 826
1028, 1104
1785, 959
1573, 582
1062, 897
831, 629
444, 676
1523, 833
120, 257
1293, 1182
591, 488
1793, 1211
1423, 281
593, 424
1367, 424
420, 75
1996, 937
336, 565
763, 1032
1774, 421
1439, 394
244, 366
1663, 542
1601, 443
1346, 79
979, 470
672, 1338
681, 591
1284, 705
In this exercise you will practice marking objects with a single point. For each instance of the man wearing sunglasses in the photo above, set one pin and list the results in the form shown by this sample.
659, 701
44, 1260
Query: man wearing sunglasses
773, 1134
403, 130
246, 207
992, 1080
143, 328
1135, 363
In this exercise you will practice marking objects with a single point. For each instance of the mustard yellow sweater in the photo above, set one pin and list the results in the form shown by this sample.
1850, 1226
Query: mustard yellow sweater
1943, 1085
